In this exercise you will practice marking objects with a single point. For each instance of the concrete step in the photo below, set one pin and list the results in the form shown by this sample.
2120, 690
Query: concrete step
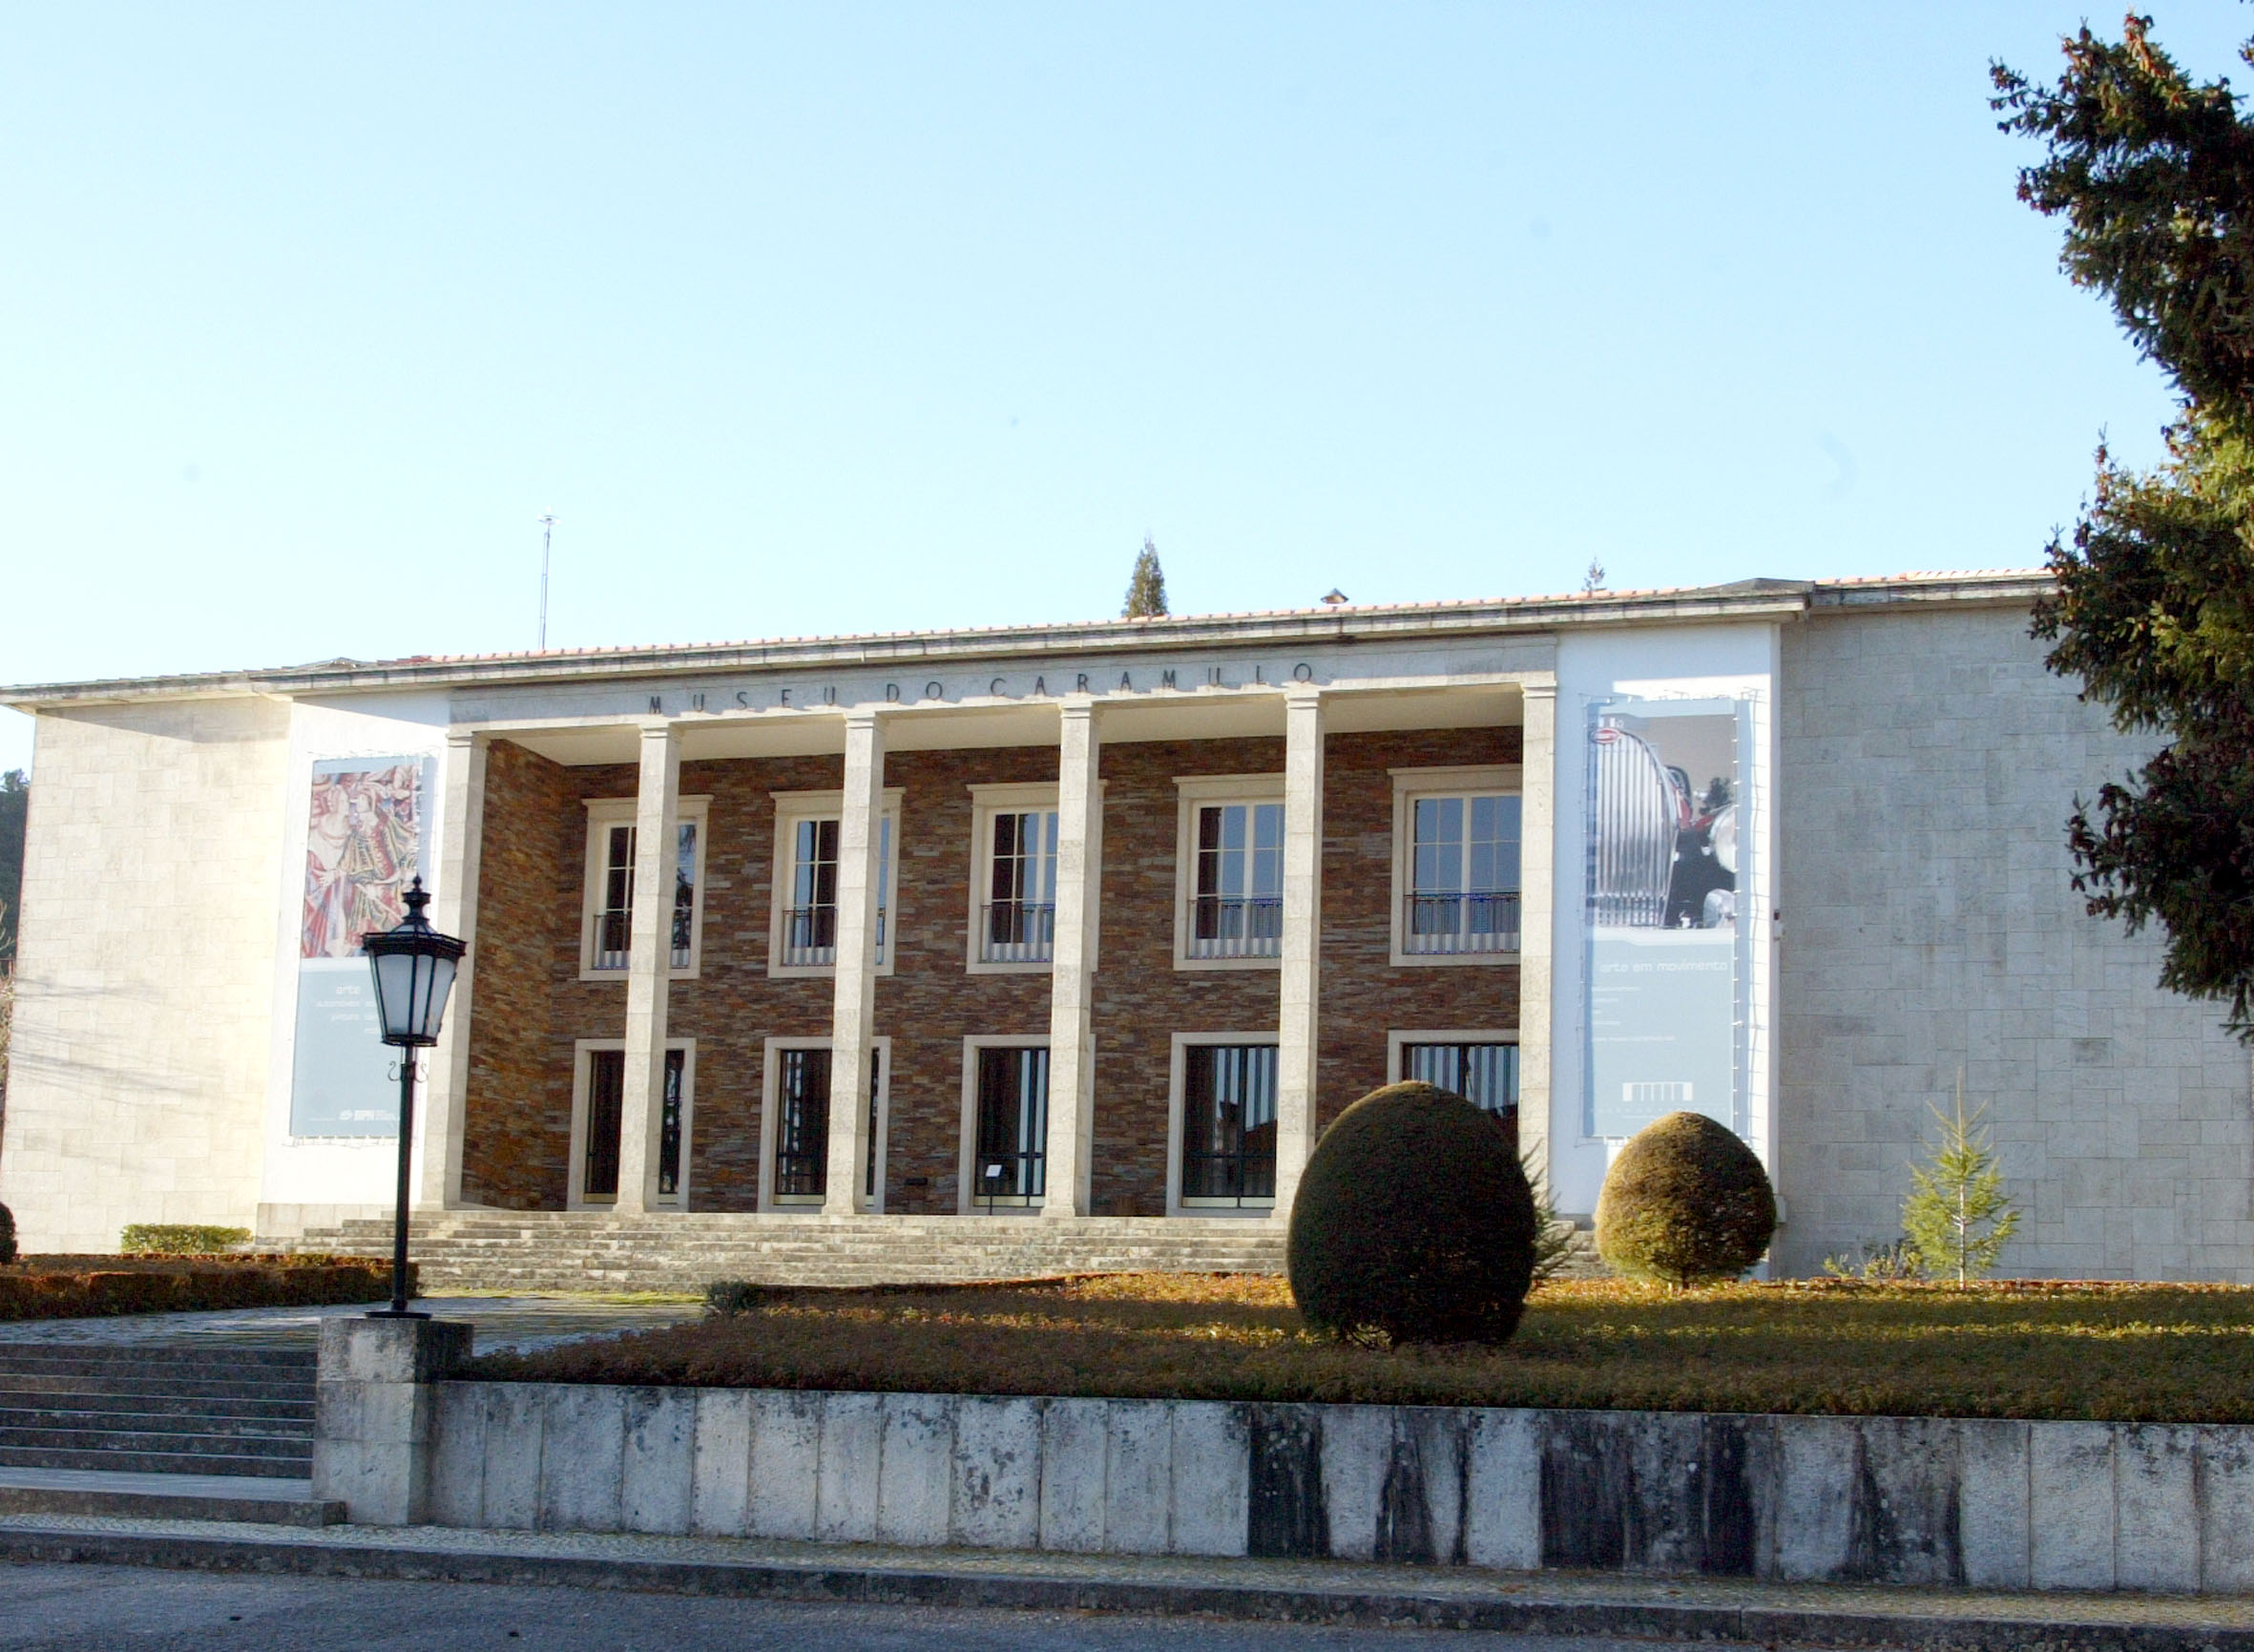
15, 1420
560, 1250
233, 1368
58, 1434
156, 1462
16, 1395
243, 1499
113, 1380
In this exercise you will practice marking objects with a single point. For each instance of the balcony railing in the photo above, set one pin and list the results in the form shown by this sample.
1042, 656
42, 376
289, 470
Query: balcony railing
613, 937
1448, 926
811, 937
1247, 927
1016, 932
614, 928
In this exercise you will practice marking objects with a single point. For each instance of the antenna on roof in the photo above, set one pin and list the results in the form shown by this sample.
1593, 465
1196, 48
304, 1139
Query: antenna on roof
547, 535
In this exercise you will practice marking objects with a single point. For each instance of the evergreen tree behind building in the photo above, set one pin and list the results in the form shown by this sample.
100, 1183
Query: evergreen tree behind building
1146, 588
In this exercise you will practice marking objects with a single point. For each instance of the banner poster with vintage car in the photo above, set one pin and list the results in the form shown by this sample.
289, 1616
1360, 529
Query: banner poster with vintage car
363, 844
1668, 944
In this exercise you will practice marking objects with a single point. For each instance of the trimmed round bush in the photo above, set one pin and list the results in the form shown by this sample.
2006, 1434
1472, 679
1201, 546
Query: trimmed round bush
1413, 1219
7, 1236
1686, 1202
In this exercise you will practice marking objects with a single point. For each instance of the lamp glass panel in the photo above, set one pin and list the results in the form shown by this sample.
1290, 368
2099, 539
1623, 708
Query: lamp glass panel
442, 983
395, 992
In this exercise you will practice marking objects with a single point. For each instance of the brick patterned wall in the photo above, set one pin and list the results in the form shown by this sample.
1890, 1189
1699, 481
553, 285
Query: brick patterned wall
519, 1107
516, 1122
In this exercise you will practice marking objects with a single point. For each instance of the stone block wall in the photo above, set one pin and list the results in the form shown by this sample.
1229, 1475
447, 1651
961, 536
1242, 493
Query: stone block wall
144, 987
1992, 1503
531, 1004
1927, 767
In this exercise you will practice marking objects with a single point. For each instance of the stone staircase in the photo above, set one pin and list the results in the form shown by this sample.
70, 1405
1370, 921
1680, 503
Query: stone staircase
534, 1252
216, 1432
164, 1410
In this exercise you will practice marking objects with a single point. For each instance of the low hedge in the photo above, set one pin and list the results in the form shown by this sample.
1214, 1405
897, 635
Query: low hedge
180, 1239
85, 1286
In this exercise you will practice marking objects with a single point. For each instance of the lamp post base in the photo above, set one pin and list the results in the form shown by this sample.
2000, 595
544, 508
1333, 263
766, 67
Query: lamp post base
395, 1313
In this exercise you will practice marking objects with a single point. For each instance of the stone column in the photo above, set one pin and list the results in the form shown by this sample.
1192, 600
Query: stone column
1300, 987
437, 1168
1537, 829
649, 963
375, 1414
853, 1020
1072, 988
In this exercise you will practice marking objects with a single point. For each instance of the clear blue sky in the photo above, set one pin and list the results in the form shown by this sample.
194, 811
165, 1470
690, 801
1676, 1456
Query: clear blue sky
845, 317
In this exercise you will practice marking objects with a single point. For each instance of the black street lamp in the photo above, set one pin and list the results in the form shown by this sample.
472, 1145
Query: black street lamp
414, 970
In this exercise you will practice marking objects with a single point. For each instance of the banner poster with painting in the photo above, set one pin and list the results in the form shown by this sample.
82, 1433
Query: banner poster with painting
1668, 940
363, 844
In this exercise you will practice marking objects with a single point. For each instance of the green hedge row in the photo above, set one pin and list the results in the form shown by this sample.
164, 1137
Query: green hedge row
252, 1282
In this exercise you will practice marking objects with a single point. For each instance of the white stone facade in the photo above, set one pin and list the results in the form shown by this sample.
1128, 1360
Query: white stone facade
1929, 763
144, 976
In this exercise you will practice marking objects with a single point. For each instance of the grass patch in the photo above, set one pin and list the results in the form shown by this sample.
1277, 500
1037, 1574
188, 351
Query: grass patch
2096, 1351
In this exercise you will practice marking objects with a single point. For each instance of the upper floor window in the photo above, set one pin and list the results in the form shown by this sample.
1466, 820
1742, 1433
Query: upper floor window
607, 922
1014, 878
1230, 871
808, 836
1456, 874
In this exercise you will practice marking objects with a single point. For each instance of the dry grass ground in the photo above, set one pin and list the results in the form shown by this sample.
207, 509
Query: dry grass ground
2035, 1350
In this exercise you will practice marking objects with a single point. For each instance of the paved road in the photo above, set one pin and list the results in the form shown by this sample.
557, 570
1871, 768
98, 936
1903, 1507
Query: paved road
135, 1609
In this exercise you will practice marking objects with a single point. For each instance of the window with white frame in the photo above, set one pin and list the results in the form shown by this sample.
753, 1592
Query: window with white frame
1482, 1066
1456, 886
794, 1135
1225, 1121
1005, 1123
598, 1115
1012, 878
606, 929
1229, 908
809, 835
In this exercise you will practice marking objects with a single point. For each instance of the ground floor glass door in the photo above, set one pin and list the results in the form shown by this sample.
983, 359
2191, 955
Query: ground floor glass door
606, 1112
801, 1125
1010, 1161
1485, 1074
1228, 1124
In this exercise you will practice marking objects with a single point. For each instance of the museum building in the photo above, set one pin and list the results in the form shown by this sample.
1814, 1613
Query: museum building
1100, 924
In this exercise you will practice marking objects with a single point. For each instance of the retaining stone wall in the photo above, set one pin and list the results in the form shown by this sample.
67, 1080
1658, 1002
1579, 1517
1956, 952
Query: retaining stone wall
1997, 1504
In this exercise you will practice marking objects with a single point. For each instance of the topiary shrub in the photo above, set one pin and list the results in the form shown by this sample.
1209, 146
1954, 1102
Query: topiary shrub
7, 1236
1413, 1219
1685, 1202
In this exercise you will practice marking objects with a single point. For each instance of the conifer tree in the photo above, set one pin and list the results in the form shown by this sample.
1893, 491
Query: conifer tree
2151, 173
1146, 587
1958, 1215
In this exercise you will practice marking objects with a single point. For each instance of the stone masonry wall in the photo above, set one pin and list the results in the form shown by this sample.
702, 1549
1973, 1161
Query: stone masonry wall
517, 1120
1927, 768
144, 985
518, 1115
